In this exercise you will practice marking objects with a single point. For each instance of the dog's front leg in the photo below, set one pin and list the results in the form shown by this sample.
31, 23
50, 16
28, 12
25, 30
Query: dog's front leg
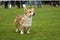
22, 30
28, 29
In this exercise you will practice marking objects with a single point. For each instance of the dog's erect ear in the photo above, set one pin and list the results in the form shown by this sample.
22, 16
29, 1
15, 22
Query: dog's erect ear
32, 9
25, 8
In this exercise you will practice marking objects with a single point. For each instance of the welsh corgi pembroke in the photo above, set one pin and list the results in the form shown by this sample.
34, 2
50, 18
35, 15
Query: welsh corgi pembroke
25, 20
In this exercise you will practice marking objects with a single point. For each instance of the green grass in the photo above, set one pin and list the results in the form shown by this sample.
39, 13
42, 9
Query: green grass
45, 26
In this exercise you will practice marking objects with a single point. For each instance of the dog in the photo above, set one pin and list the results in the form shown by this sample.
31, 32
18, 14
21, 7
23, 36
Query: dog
25, 20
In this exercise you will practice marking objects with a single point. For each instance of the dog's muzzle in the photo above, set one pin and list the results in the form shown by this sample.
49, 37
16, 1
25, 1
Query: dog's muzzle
33, 14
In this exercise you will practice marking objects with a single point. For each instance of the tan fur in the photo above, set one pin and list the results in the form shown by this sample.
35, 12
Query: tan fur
21, 20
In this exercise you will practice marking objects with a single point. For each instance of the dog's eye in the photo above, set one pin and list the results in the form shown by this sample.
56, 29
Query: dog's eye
30, 11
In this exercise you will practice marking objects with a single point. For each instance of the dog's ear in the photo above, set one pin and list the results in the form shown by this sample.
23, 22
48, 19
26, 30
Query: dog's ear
32, 9
24, 7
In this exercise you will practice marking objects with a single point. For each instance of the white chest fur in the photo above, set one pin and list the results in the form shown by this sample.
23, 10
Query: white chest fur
27, 21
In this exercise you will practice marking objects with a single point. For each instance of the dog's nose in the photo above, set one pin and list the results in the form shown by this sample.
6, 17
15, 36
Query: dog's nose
33, 14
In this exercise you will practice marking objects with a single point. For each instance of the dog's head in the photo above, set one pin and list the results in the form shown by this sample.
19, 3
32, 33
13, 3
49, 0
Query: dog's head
28, 12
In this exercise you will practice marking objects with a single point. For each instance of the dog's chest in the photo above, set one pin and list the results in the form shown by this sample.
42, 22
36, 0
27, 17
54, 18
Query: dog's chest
27, 21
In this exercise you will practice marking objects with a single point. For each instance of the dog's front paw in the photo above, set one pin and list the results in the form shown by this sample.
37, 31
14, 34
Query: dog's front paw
22, 32
28, 32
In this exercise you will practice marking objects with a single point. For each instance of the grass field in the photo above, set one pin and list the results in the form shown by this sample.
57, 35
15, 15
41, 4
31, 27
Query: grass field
45, 26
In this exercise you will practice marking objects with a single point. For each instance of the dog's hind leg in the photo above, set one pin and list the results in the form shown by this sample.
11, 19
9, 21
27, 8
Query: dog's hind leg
16, 25
17, 29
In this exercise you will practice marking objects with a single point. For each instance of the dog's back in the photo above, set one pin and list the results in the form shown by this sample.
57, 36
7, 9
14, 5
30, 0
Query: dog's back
18, 19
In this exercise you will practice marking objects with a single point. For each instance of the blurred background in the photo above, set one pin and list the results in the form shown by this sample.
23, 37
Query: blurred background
45, 24
35, 3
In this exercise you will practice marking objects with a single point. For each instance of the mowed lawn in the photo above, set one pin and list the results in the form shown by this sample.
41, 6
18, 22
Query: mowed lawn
45, 25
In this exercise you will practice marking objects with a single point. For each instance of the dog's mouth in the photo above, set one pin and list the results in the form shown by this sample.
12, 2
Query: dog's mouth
33, 14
